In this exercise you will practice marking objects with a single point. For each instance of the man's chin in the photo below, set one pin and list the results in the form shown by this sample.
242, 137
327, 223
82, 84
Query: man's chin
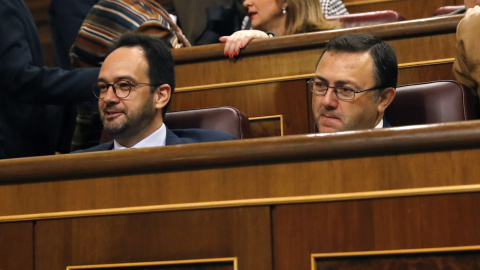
329, 125
113, 128
325, 129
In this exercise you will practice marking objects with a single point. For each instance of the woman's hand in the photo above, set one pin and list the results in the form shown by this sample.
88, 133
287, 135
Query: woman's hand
239, 40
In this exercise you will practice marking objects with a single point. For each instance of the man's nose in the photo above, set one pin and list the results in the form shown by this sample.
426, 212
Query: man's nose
110, 95
330, 99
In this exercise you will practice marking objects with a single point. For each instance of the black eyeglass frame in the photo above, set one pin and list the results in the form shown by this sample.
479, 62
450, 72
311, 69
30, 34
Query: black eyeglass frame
311, 81
95, 85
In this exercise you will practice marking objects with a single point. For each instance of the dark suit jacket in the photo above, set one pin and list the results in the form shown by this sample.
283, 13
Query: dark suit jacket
178, 136
385, 123
66, 17
30, 111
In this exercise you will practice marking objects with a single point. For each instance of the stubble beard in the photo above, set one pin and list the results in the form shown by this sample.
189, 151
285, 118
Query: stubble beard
116, 126
125, 125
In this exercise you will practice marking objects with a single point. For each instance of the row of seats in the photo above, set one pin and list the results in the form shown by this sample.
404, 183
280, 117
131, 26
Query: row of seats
383, 16
421, 103
447, 10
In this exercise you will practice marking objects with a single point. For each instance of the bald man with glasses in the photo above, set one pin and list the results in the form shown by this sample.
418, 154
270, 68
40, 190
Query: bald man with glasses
354, 83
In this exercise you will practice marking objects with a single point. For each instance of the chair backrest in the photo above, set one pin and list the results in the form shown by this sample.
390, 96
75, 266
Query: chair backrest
447, 10
226, 119
431, 102
368, 18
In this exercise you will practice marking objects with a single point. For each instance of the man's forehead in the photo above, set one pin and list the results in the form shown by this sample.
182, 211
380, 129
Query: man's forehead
341, 67
345, 60
347, 54
128, 50
124, 61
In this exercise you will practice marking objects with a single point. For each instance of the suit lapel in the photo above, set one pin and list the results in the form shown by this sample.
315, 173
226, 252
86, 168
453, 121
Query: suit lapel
171, 138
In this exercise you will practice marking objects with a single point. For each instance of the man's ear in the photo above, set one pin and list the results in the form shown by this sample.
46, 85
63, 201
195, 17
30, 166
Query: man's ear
161, 96
386, 97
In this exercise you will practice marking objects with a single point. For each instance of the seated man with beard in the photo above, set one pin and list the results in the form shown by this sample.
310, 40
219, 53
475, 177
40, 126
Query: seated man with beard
134, 89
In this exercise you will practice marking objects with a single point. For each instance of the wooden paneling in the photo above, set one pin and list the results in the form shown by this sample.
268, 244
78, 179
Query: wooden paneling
243, 233
280, 59
16, 246
459, 258
417, 74
410, 9
203, 264
240, 172
381, 224
273, 203
288, 99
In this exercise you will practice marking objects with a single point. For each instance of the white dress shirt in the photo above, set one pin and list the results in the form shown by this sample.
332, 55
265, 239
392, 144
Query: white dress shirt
157, 138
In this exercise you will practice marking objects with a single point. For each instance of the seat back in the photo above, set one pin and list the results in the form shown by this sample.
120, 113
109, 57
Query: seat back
447, 10
226, 119
368, 18
431, 102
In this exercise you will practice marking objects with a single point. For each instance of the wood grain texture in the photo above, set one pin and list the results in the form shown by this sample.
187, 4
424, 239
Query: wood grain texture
200, 264
16, 246
203, 234
328, 146
380, 224
289, 166
288, 99
315, 40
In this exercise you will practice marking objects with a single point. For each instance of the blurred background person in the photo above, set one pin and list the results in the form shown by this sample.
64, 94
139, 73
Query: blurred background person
34, 96
333, 8
466, 66
109, 19
65, 18
278, 18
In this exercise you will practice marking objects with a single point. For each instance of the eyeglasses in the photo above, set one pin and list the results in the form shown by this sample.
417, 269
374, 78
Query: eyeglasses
344, 93
121, 88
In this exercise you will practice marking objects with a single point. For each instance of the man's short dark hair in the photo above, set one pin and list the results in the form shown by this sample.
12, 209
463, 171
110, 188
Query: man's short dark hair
384, 57
159, 57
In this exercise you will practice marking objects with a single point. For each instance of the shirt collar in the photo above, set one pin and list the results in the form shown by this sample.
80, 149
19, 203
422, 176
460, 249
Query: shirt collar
380, 124
157, 138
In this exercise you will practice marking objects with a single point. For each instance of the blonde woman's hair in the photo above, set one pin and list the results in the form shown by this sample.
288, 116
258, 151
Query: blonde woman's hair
306, 16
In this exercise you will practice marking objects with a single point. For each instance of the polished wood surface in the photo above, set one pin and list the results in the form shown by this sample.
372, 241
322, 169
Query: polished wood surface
297, 55
392, 224
202, 264
243, 233
273, 203
16, 246
465, 257
263, 100
238, 172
